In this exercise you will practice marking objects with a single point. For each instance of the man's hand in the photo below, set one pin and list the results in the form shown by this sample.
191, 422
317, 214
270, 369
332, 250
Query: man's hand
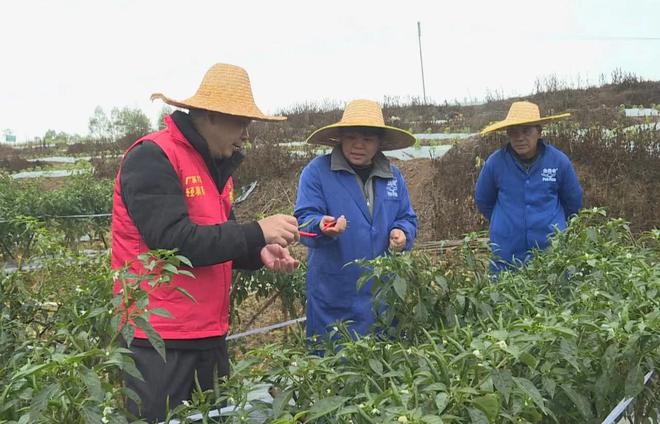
280, 229
331, 226
277, 258
397, 240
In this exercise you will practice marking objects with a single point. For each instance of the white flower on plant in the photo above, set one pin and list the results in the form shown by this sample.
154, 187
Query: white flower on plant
185, 402
106, 412
375, 411
501, 344
403, 419
476, 353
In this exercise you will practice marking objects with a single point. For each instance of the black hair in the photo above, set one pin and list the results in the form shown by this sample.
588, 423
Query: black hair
364, 131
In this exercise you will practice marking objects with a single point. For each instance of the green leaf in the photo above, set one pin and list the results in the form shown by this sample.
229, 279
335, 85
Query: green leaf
376, 366
117, 419
400, 287
432, 419
420, 312
97, 311
280, 402
550, 386
185, 293
530, 390
592, 235
161, 312
93, 384
434, 387
186, 273
28, 370
442, 282
529, 360
441, 402
488, 404
128, 332
128, 366
40, 401
154, 338
171, 268
634, 381
568, 351
130, 393
562, 330
115, 322
91, 414
325, 406
582, 403
477, 417
184, 260
503, 382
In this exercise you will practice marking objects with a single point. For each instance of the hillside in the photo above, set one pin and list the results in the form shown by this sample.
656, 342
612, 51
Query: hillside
592, 105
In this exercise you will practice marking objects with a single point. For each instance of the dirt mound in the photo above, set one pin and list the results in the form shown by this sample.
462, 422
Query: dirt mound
419, 176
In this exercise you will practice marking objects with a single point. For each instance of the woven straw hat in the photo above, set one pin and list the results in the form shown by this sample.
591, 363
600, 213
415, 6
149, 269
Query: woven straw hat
225, 89
363, 113
522, 113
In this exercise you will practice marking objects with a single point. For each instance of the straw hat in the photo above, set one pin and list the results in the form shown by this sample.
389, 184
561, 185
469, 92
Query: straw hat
363, 113
522, 113
225, 89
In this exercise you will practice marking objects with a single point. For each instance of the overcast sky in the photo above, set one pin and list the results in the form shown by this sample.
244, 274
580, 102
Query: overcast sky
60, 59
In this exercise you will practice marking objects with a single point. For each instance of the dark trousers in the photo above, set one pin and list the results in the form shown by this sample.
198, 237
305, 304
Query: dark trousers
174, 379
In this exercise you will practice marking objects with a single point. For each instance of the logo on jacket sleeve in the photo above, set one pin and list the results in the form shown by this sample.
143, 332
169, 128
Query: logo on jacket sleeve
392, 189
194, 187
549, 174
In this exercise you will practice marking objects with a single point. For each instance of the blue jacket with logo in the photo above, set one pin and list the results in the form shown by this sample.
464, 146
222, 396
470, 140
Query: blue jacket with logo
332, 293
524, 207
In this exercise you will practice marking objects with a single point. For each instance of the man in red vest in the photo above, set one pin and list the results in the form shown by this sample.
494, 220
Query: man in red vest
173, 191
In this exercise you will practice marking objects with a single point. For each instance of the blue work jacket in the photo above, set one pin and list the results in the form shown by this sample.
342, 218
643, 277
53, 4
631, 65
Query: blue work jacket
525, 206
328, 186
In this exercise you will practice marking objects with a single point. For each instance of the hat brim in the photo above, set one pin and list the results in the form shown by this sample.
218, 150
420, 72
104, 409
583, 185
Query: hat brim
501, 125
193, 103
393, 138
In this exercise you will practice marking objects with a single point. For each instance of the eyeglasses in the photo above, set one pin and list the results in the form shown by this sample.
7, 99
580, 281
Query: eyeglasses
520, 130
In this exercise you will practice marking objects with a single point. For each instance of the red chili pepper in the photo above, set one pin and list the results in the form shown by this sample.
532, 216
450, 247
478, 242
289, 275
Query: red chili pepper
306, 234
329, 224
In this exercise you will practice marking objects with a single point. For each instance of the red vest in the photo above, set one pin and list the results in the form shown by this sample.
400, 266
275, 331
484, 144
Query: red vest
208, 317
